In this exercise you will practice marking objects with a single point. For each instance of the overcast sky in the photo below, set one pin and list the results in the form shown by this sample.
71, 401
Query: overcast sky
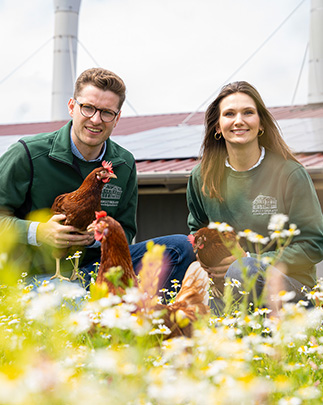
173, 55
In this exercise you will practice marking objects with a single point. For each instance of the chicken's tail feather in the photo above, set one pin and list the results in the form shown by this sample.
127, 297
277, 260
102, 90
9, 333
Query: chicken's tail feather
195, 286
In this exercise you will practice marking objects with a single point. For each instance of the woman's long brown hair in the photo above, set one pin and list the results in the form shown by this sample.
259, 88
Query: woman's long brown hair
214, 152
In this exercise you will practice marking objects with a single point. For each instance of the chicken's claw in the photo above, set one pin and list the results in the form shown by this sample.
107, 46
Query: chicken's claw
60, 277
58, 272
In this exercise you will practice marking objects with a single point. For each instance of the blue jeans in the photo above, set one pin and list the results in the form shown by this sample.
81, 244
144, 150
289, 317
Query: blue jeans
254, 267
177, 257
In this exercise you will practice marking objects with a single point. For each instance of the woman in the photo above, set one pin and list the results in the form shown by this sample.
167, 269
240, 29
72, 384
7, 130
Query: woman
247, 174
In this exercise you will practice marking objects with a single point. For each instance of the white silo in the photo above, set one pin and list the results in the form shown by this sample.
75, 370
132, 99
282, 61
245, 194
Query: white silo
315, 78
65, 55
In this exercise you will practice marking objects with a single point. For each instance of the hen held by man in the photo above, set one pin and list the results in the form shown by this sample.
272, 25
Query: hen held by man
79, 207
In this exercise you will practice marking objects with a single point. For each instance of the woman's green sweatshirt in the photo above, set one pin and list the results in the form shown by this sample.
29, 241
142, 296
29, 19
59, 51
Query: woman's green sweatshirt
276, 186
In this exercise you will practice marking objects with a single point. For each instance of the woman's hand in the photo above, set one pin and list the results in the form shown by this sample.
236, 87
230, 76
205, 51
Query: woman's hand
219, 271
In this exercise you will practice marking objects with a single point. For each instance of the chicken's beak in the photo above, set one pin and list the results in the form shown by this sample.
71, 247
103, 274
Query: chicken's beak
111, 176
105, 176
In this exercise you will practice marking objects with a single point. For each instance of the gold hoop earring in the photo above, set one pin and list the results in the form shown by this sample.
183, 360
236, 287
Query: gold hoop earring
261, 132
217, 136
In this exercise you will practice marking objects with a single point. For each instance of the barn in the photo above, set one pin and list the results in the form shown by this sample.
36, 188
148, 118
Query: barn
166, 148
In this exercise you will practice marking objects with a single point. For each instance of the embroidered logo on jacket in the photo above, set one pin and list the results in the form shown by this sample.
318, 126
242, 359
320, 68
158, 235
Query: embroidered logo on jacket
264, 204
110, 195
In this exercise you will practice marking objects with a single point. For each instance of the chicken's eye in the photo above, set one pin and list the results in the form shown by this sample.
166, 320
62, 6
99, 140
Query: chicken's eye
102, 174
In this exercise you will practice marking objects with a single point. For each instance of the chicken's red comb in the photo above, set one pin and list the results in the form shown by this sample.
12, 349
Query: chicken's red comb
100, 214
107, 166
191, 239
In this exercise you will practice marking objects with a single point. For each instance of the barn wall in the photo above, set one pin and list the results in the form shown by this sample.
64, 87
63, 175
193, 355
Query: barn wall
160, 215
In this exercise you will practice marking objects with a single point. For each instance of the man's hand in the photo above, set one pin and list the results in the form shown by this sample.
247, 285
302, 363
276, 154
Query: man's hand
55, 234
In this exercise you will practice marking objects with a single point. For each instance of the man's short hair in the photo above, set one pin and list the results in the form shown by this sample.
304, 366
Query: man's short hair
104, 80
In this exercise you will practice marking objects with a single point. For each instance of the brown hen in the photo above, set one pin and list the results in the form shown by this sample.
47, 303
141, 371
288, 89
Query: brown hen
80, 206
190, 302
211, 246
114, 253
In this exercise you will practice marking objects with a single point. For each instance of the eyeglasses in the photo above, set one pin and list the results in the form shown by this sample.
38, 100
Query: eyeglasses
88, 111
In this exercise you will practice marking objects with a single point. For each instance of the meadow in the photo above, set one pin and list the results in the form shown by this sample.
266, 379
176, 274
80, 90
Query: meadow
62, 344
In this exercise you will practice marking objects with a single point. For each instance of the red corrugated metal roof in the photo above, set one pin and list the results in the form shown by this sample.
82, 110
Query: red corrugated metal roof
126, 125
310, 161
173, 165
297, 111
314, 160
32, 128
131, 125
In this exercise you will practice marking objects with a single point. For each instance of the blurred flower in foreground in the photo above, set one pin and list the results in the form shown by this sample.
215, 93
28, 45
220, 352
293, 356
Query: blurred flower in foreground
277, 222
220, 226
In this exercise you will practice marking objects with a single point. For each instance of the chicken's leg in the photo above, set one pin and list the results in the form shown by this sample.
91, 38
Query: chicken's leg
75, 274
58, 271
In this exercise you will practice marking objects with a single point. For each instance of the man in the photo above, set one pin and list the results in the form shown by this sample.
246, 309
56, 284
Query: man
38, 168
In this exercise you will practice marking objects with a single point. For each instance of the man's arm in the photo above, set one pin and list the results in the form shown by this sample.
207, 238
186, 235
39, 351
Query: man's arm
15, 180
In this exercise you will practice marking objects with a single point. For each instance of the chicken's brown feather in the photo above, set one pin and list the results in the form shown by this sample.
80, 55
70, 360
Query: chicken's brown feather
80, 205
114, 252
211, 247
192, 299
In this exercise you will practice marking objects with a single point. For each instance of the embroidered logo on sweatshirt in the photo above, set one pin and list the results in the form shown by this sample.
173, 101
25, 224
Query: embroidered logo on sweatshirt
110, 195
264, 205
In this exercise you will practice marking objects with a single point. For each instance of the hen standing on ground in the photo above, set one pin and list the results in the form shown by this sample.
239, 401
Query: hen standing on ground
192, 298
80, 206
114, 252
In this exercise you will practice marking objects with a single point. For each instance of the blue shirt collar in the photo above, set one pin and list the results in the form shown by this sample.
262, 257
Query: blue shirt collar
79, 155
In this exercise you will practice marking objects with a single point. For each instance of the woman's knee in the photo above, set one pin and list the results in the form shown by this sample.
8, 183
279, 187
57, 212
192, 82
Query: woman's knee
247, 265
